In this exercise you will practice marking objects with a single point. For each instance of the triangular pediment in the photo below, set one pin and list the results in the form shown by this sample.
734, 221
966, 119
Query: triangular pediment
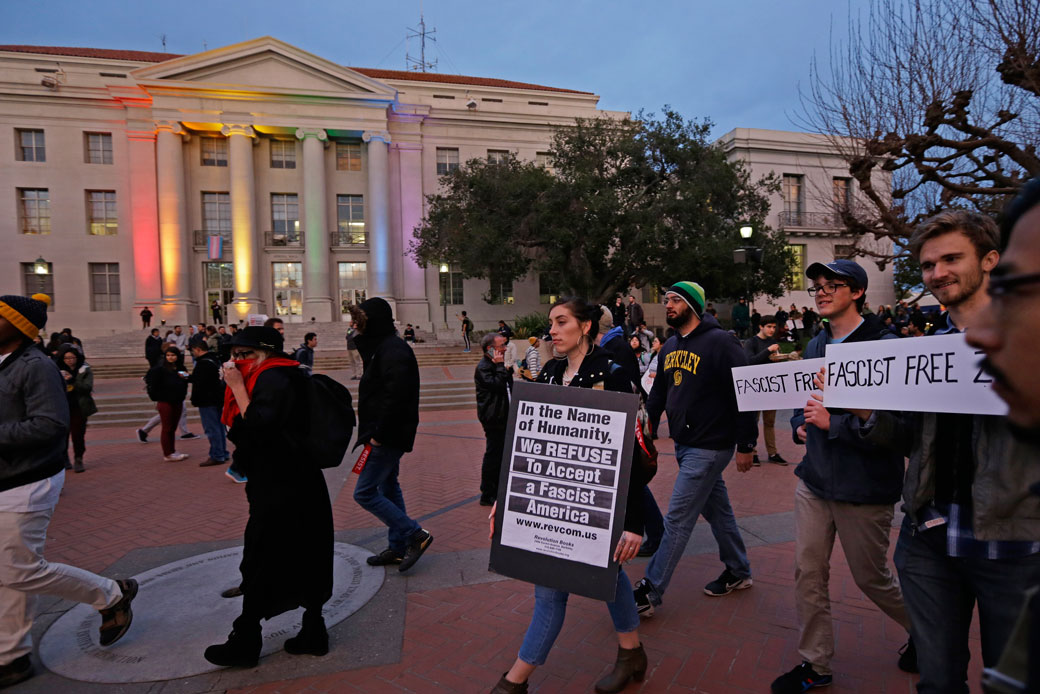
265, 64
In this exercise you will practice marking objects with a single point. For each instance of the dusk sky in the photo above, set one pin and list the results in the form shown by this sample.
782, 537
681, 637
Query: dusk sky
738, 62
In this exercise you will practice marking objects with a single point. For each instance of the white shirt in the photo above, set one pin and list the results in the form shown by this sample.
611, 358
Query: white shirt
35, 496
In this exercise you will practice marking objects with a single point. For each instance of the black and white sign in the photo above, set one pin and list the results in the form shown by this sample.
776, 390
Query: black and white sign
564, 486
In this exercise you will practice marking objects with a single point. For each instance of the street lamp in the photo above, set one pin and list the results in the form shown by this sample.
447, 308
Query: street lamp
444, 269
746, 230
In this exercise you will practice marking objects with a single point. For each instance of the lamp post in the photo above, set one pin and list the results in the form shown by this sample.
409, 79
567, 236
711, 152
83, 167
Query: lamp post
745, 254
41, 268
444, 269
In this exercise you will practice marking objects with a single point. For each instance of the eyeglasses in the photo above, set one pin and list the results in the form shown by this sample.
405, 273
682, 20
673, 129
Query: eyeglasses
244, 354
1000, 287
825, 289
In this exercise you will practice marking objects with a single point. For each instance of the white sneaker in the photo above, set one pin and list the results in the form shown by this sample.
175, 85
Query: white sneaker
175, 457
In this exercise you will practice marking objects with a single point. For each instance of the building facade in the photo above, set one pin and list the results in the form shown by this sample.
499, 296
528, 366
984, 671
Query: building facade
263, 179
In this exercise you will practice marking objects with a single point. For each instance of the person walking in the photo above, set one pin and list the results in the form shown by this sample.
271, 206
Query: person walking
305, 352
584, 364
494, 384
467, 329
759, 349
146, 318
34, 424
287, 554
533, 358
79, 384
634, 314
694, 386
153, 347
356, 364
388, 416
847, 488
207, 394
168, 386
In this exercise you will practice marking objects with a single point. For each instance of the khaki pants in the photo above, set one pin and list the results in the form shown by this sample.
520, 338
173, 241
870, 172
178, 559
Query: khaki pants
768, 432
356, 365
24, 574
864, 533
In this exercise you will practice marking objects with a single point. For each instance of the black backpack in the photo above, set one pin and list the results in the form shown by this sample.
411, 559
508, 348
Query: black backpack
332, 421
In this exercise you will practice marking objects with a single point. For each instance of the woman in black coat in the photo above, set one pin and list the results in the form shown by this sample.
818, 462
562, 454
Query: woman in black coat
167, 384
287, 554
586, 365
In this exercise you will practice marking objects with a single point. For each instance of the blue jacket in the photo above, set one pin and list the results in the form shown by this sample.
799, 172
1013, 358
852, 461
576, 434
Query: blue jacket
839, 465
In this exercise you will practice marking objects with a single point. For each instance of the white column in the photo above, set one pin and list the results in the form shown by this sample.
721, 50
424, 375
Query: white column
377, 217
174, 244
244, 251
406, 173
141, 137
317, 302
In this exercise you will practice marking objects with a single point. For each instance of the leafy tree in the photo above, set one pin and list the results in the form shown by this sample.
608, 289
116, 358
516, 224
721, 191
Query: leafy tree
627, 203
934, 104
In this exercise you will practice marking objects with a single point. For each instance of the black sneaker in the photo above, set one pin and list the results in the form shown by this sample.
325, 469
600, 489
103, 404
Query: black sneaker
418, 544
778, 459
384, 558
646, 597
142, 436
189, 435
725, 584
232, 592
908, 657
18, 670
801, 679
755, 461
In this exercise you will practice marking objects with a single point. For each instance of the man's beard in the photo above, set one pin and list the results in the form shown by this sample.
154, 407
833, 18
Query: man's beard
680, 319
965, 289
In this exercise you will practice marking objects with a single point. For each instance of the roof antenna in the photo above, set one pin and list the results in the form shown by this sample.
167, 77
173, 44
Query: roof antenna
162, 37
420, 64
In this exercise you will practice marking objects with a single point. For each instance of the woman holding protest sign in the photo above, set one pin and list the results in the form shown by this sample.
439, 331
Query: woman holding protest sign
288, 546
581, 363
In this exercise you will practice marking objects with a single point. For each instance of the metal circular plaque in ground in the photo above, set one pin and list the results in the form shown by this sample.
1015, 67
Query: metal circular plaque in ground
179, 611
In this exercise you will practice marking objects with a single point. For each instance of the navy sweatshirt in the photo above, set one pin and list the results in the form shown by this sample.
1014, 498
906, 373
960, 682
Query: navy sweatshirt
695, 387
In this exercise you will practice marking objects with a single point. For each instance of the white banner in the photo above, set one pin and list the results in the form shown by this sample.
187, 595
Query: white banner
782, 385
922, 374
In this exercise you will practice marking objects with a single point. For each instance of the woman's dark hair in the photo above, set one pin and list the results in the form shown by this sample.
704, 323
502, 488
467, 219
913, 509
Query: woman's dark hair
583, 310
179, 365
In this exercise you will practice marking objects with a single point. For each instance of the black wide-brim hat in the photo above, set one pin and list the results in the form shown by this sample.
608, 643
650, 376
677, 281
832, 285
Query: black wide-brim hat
258, 337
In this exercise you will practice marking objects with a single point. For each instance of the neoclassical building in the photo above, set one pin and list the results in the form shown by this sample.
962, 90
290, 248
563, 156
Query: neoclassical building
255, 176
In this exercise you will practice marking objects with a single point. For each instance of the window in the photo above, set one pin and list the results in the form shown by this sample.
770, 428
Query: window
350, 219
34, 282
353, 282
29, 145
498, 156
500, 292
548, 288
844, 251
288, 289
792, 189
102, 218
283, 154
214, 151
544, 160
216, 212
348, 156
651, 294
99, 147
285, 216
796, 271
447, 160
842, 192
451, 286
34, 208
104, 286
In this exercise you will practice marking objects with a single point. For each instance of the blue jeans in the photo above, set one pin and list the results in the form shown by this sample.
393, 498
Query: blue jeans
550, 607
215, 432
940, 593
699, 490
379, 493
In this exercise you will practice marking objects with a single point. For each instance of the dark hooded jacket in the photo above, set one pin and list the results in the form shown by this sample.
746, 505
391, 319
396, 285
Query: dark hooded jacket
388, 394
164, 383
80, 385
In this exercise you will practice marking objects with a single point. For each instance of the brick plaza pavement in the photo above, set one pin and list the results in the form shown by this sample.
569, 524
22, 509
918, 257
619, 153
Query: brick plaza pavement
459, 636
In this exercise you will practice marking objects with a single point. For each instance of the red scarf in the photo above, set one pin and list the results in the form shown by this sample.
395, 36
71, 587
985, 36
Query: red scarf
250, 372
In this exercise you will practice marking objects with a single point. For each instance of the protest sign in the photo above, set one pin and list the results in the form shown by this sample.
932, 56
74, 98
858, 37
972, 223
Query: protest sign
563, 487
923, 374
256, 319
779, 386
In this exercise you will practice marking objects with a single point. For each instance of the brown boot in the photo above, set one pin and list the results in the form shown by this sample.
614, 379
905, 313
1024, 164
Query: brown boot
630, 665
504, 686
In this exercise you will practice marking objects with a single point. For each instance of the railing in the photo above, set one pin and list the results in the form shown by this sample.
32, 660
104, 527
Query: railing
202, 237
348, 239
811, 220
283, 238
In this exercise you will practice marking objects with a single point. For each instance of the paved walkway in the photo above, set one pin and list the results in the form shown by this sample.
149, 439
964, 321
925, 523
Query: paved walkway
449, 625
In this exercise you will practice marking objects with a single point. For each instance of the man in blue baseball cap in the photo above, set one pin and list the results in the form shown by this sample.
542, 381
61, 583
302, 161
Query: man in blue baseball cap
847, 488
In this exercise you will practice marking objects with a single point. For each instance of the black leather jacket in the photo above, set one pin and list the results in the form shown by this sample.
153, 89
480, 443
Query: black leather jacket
493, 386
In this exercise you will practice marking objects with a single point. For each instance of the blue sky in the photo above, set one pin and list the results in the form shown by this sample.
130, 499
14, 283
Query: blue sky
738, 62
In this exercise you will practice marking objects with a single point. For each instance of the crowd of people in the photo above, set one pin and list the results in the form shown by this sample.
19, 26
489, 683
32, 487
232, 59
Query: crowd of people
969, 484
